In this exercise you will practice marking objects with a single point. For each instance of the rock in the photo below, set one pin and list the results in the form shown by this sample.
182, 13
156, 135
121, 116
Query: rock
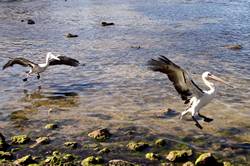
72, 145
92, 160
51, 126
107, 23
104, 150
41, 141
137, 146
167, 164
58, 158
160, 142
234, 47
26, 160
120, 163
226, 163
179, 155
70, 35
206, 159
100, 134
34, 165
68, 157
189, 163
30, 21
152, 156
5, 155
20, 139
3, 144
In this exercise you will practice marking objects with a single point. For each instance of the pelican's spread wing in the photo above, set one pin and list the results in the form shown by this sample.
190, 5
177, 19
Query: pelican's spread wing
64, 61
20, 61
181, 81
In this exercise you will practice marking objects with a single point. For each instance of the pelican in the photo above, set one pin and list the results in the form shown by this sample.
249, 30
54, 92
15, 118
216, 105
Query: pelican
194, 97
39, 68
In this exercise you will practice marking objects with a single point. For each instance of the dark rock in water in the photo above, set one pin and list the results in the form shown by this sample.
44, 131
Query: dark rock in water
70, 35
72, 145
179, 155
30, 21
136, 47
51, 126
160, 142
207, 159
3, 144
120, 163
234, 47
20, 139
5, 155
107, 23
22, 20
137, 146
92, 161
41, 141
26, 160
100, 134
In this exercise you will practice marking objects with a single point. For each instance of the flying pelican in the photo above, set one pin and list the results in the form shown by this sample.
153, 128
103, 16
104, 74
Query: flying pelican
39, 68
194, 97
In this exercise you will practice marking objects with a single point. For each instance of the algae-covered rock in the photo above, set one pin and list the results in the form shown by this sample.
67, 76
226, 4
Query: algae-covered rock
160, 142
167, 164
206, 159
26, 160
34, 165
152, 156
120, 163
20, 139
100, 134
5, 155
137, 146
91, 160
104, 150
188, 163
3, 144
72, 145
51, 126
179, 155
58, 158
226, 163
41, 141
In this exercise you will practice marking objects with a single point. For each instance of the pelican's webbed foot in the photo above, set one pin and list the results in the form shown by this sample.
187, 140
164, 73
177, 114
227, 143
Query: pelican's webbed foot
25, 79
197, 123
206, 119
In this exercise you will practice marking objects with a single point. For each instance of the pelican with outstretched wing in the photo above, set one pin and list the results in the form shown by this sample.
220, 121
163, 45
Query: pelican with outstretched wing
39, 68
194, 97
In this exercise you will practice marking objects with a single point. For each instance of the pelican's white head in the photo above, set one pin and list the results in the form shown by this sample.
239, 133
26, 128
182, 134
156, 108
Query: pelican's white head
208, 76
51, 56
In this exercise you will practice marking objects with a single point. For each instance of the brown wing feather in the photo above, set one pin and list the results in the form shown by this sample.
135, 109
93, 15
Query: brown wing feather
176, 75
20, 61
64, 61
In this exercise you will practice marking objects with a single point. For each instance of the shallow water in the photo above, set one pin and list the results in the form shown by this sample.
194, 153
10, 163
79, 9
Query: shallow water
115, 89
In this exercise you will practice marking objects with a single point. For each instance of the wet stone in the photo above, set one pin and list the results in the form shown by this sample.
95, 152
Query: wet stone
107, 23
5, 155
3, 144
100, 134
20, 139
70, 35
91, 160
206, 159
51, 126
226, 163
120, 163
58, 158
188, 163
160, 142
104, 151
137, 146
26, 160
152, 156
41, 141
179, 155
72, 145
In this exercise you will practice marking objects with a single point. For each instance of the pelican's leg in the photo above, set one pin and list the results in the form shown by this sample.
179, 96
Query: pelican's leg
38, 76
206, 119
183, 113
26, 78
197, 123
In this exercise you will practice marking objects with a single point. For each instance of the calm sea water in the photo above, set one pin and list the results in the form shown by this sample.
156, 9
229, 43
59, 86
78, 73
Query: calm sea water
115, 88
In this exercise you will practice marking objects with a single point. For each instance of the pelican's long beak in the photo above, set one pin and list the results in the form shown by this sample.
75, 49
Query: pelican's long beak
219, 80
56, 58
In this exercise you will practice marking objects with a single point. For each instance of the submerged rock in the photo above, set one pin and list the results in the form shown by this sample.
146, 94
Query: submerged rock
206, 159
234, 47
107, 23
30, 21
72, 145
91, 160
100, 134
152, 156
5, 155
189, 163
51, 126
120, 163
137, 146
160, 142
26, 160
70, 35
20, 139
179, 155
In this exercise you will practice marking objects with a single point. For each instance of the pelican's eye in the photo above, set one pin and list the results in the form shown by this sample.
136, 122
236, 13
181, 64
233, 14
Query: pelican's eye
209, 74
